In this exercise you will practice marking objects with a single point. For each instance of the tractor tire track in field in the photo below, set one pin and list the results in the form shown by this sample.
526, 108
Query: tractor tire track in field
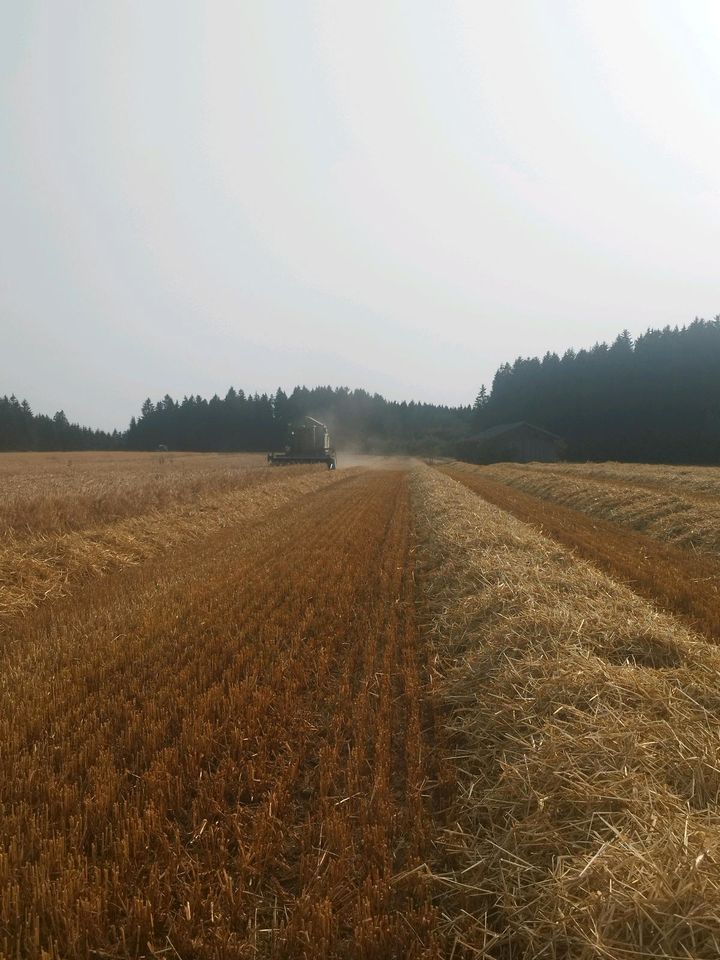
674, 579
226, 752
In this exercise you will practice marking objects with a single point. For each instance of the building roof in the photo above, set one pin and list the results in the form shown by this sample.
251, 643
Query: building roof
503, 428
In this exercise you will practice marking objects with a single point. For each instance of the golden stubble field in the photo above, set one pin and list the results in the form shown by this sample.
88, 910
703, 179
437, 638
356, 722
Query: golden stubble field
386, 711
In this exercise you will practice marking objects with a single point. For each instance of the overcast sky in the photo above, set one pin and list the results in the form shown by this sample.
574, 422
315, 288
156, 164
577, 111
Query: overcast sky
393, 195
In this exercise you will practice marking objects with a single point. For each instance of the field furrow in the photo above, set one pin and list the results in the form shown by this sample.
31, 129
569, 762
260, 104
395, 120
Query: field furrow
678, 581
225, 751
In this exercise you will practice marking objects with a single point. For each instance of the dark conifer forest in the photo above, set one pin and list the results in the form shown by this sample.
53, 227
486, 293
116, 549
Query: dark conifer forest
656, 399
21, 429
653, 400
358, 421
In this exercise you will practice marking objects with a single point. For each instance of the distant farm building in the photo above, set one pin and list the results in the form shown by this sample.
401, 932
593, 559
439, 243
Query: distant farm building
515, 442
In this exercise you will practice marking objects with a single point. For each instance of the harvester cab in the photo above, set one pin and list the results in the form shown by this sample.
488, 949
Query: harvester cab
308, 442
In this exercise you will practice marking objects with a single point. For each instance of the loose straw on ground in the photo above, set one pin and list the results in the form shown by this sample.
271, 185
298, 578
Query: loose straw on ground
684, 511
586, 728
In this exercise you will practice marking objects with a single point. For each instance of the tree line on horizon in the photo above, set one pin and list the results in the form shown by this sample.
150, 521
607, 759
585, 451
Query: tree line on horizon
653, 399
358, 420
21, 429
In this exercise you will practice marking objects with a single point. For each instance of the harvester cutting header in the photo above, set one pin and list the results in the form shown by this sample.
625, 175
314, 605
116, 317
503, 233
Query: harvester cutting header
307, 443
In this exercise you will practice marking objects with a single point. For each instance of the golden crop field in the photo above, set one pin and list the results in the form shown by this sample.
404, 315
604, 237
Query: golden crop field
680, 505
672, 557
368, 713
586, 742
698, 481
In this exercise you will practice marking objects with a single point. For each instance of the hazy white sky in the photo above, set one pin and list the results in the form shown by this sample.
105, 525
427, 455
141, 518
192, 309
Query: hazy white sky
394, 195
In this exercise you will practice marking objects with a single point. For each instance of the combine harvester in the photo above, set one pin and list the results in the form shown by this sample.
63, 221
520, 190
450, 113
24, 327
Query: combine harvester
308, 443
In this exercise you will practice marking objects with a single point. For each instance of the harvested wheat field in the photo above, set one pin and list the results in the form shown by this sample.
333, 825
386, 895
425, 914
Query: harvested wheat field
688, 480
586, 743
228, 749
679, 581
251, 712
677, 505
60, 530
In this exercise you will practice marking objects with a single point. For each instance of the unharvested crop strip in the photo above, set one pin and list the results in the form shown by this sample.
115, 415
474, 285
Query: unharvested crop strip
45, 494
585, 724
685, 585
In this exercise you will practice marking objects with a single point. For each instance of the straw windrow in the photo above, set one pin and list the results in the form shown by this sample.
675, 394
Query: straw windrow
681, 507
586, 732
687, 480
